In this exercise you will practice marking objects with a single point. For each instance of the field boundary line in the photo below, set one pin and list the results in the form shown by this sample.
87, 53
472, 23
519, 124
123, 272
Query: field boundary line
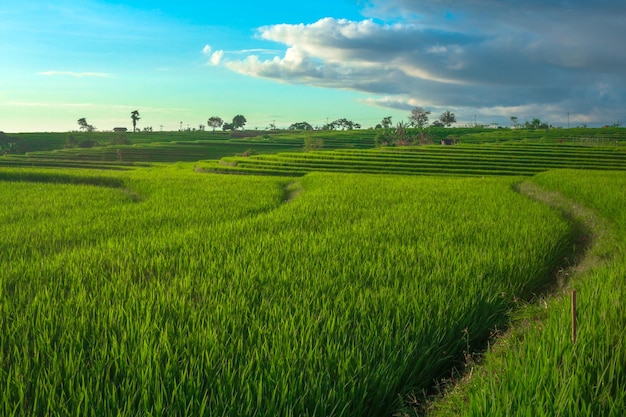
591, 233
592, 230
292, 191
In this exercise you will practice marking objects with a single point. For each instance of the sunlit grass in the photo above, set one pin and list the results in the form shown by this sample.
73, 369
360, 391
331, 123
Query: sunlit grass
187, 294
537, 370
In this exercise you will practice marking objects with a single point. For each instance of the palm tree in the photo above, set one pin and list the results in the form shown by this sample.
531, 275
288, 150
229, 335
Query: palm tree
447, 118
135, 116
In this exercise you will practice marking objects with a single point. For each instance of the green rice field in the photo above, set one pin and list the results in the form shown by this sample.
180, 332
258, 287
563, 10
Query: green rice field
537, 370
349, 281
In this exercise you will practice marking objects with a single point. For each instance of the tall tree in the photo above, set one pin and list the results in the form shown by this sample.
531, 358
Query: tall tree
82, 123
386, 122
419, 117
215, 122
239, 121
134, 115
447, 118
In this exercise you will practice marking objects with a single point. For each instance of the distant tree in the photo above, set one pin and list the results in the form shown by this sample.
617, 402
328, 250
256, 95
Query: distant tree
400, 135
82, 123
447, 118
301, 126
386, 122
215, 122
228, 126
419, 117
271, 126
134, 115
346, 124
343, 124
437, 123
535, 123
383, 138
514, 122
239, 121
201, 127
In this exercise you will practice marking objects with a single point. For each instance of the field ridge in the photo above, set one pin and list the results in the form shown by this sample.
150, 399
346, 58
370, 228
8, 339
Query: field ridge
595, 230
593, 236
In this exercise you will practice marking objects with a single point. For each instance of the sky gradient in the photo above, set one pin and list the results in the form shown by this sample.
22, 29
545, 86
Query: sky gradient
180, 63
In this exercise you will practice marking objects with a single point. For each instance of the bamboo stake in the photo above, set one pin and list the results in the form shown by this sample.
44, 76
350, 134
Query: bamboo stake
574, 316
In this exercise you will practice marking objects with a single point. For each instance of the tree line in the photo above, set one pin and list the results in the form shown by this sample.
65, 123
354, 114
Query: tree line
419, 118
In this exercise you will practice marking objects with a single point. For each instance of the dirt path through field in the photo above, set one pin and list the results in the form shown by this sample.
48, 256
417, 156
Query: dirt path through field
292, 190
592, 230
592, 248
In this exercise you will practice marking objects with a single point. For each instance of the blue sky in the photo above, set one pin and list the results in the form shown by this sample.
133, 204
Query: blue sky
485, 60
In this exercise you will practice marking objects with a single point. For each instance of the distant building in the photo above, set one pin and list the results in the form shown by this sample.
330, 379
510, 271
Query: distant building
120, 129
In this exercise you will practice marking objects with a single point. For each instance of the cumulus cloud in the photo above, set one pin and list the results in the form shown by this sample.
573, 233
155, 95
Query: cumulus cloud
496, 55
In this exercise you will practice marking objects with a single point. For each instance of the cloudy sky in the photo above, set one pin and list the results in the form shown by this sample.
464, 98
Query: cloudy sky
280, 62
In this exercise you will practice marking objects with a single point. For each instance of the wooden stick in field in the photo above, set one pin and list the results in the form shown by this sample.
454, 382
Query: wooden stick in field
573, 316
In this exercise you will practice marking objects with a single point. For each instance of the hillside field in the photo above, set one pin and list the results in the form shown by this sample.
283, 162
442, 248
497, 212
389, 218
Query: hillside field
345, 281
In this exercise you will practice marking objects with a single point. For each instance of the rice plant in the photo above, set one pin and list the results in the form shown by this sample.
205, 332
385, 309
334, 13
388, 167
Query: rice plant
180, 293
538, 370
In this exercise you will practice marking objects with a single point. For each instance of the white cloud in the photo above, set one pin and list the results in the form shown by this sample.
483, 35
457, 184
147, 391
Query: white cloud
481, 54
216, 58
207, 49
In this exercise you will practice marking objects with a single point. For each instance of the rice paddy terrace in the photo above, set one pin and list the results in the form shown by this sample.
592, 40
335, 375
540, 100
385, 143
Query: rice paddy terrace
327, 286
475, 152
477, 155
50, 149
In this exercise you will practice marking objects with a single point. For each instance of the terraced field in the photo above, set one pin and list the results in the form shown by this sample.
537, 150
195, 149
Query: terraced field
143, 287
48, 149
506, 158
